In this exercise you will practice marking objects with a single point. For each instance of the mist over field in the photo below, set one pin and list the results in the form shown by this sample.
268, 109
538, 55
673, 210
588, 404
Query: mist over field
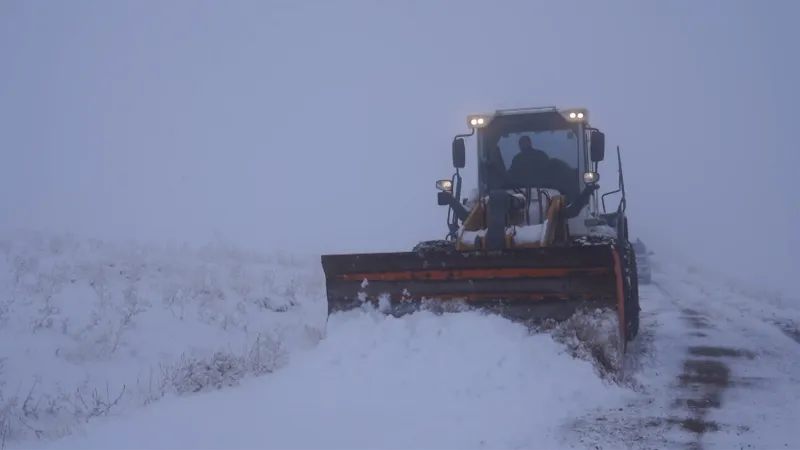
321, 126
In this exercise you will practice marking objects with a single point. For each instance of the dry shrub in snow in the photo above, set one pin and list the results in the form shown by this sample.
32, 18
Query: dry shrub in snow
46, 415
193, 374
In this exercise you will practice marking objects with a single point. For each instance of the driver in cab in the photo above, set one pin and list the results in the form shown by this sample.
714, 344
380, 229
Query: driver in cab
529, 165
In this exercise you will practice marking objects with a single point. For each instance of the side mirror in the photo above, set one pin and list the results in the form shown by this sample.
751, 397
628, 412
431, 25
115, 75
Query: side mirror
444, 185
597, 149
459, 154
443, 198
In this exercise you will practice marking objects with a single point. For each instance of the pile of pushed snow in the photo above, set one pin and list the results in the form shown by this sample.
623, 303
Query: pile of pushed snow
594, 336
457, 380
88, 328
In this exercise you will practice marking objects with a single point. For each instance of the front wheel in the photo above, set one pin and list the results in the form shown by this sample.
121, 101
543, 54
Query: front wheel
631, 285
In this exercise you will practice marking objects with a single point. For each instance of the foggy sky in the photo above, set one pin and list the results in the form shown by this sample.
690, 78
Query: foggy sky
322, 126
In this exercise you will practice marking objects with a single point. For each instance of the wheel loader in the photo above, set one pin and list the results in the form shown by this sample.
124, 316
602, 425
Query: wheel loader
530, 244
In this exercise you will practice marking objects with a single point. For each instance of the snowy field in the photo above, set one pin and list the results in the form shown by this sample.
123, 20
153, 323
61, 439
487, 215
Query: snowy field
89, 329
126, 346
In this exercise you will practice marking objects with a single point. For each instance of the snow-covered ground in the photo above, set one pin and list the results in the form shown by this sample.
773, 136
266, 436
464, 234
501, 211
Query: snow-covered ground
712, 367
90, 328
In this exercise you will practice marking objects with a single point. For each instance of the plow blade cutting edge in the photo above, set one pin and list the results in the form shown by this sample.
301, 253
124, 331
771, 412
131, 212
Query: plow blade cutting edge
523, 284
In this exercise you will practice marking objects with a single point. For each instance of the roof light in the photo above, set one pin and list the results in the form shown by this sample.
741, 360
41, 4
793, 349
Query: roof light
577, 115
477, 121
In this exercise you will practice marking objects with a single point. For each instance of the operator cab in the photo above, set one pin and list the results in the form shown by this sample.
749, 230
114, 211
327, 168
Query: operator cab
531, 150
532, 154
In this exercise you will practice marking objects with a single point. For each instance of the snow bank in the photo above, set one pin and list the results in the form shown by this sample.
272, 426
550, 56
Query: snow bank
459, 380
88, 328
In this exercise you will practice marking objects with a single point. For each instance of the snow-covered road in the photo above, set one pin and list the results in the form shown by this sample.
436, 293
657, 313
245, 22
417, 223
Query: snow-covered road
714, 372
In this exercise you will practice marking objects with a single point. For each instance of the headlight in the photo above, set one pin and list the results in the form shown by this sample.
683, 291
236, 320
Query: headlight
591, 177
444, 185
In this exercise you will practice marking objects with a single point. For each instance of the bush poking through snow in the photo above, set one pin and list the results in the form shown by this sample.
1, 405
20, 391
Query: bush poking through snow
44, 415
222, 368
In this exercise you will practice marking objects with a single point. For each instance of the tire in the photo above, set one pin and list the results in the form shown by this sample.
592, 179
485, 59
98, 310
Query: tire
630, 281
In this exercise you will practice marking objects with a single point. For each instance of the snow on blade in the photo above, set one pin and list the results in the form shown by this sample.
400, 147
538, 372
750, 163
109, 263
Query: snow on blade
530, 234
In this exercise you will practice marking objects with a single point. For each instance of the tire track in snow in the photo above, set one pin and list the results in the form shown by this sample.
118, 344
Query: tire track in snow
714, 380
704, 381
728, 358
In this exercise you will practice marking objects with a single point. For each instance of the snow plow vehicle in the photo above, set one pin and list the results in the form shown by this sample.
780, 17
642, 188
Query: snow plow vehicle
531, 244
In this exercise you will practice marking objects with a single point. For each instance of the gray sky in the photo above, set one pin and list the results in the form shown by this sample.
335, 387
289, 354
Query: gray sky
324, 124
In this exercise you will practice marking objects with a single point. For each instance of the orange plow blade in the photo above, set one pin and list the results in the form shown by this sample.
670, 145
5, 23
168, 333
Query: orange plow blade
525, 284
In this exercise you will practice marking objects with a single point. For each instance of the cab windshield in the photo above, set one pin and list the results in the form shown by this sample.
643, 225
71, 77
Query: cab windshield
532, 151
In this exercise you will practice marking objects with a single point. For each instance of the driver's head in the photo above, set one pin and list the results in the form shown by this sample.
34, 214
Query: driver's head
525, 143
